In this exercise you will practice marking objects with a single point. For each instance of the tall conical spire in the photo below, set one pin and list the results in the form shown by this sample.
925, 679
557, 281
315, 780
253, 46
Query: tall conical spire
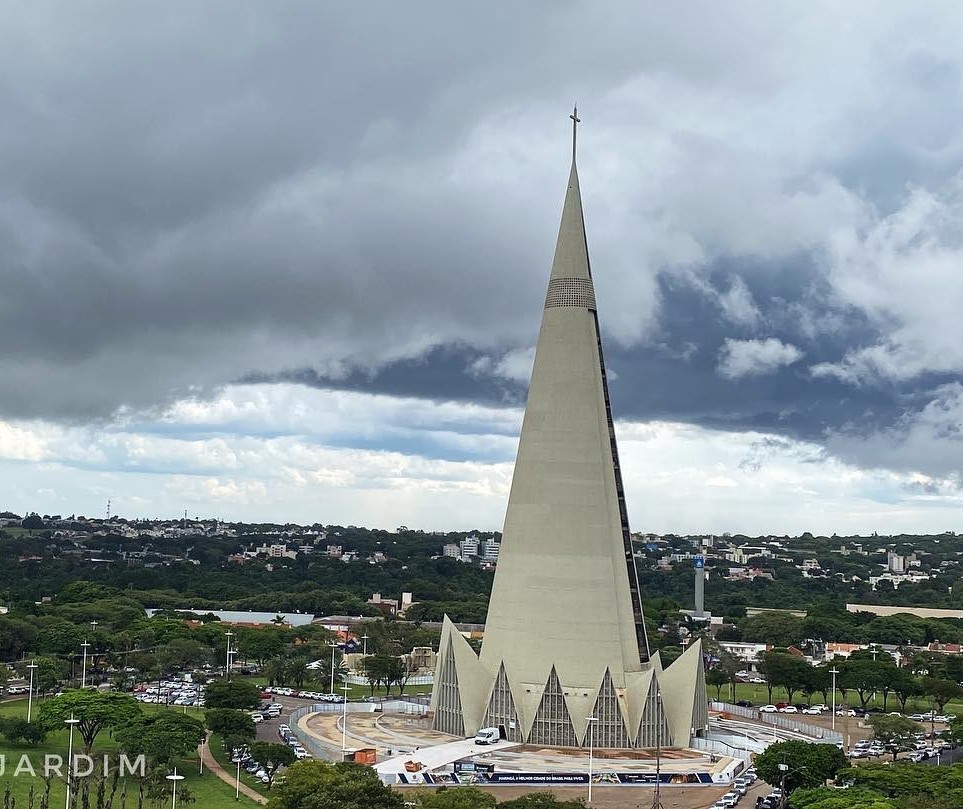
565, 565
571, 248
564, 635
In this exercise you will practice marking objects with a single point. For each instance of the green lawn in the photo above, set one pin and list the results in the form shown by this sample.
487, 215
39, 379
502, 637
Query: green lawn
207, 790
759, 695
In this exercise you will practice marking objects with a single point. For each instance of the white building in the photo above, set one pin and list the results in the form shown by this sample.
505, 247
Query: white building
469, 546
565, 646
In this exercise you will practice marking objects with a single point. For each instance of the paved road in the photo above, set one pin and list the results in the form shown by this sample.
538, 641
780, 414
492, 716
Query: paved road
946, 757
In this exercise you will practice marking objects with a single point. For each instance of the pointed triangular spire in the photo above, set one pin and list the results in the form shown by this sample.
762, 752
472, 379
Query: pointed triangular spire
571, 249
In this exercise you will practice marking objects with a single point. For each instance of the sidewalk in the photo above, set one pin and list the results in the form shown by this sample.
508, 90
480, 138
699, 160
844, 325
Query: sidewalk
228, 778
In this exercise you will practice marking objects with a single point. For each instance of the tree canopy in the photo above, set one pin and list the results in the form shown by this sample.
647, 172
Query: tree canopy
94, 710
454, 798
161, 737
237, 694
272, 757
316, 785
897, 731
810, 765
230, 723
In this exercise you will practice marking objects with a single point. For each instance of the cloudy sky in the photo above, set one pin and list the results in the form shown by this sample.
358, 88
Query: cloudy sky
286, 261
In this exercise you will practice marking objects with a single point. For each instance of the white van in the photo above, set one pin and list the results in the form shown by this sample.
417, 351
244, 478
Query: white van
487, 736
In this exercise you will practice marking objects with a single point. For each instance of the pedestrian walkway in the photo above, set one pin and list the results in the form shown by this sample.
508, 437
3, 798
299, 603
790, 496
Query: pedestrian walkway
228, 778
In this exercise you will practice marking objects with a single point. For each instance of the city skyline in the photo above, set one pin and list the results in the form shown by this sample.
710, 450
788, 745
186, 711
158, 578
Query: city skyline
277, 263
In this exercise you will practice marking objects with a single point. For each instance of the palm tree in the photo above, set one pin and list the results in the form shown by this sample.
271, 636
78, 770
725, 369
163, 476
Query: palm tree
276, 670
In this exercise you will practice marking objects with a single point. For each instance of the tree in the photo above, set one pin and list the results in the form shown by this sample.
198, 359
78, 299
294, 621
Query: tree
853, 798
891, 678
383, 670
541, 800
161, 737
819, 680
941, 691
717, 677
913, 786
810, 765
49, 672
777, 628
95, 711
262, 645
16, 729
894, 730
343, 785
272, 757
783, 669
862, 676
182, 653
231, 724
904, 687
454, 798
236, 694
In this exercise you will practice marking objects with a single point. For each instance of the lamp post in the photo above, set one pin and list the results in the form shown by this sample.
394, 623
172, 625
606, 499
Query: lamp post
590, 732
333, 646
31, 667
83, 669
344, 720
364, 647
174, 778
237, 783
784, 769
657, 797
227, 662
834, 671
93, 632
70, 754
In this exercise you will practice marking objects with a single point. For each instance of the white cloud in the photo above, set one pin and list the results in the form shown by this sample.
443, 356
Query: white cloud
737, 304
903, 273
301, 463
741, 358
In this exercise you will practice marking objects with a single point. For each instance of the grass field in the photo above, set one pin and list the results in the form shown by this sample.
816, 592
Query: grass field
759, 695
207, 790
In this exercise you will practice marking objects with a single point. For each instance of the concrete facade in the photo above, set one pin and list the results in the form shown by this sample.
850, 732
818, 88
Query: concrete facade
565, 638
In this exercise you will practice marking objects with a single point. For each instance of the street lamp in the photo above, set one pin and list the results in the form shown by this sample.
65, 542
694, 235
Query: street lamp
227, 662
237, 783
83, 670
590, 732
174, 778
834, 671
31, 667
364, 647
344, 720
784, 769
93, 631
70, 754
333, 646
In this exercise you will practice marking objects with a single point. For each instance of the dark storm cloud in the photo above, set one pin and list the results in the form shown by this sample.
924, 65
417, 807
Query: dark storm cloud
367, 199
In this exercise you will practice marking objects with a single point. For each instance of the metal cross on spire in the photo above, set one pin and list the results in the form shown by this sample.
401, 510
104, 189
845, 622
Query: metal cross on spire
575, 122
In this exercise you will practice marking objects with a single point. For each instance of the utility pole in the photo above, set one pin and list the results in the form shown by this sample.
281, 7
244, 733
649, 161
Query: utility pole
657, 797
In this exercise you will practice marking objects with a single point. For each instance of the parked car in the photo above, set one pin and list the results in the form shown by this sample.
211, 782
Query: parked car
768, 709
789, 709
744, 703
813, 711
